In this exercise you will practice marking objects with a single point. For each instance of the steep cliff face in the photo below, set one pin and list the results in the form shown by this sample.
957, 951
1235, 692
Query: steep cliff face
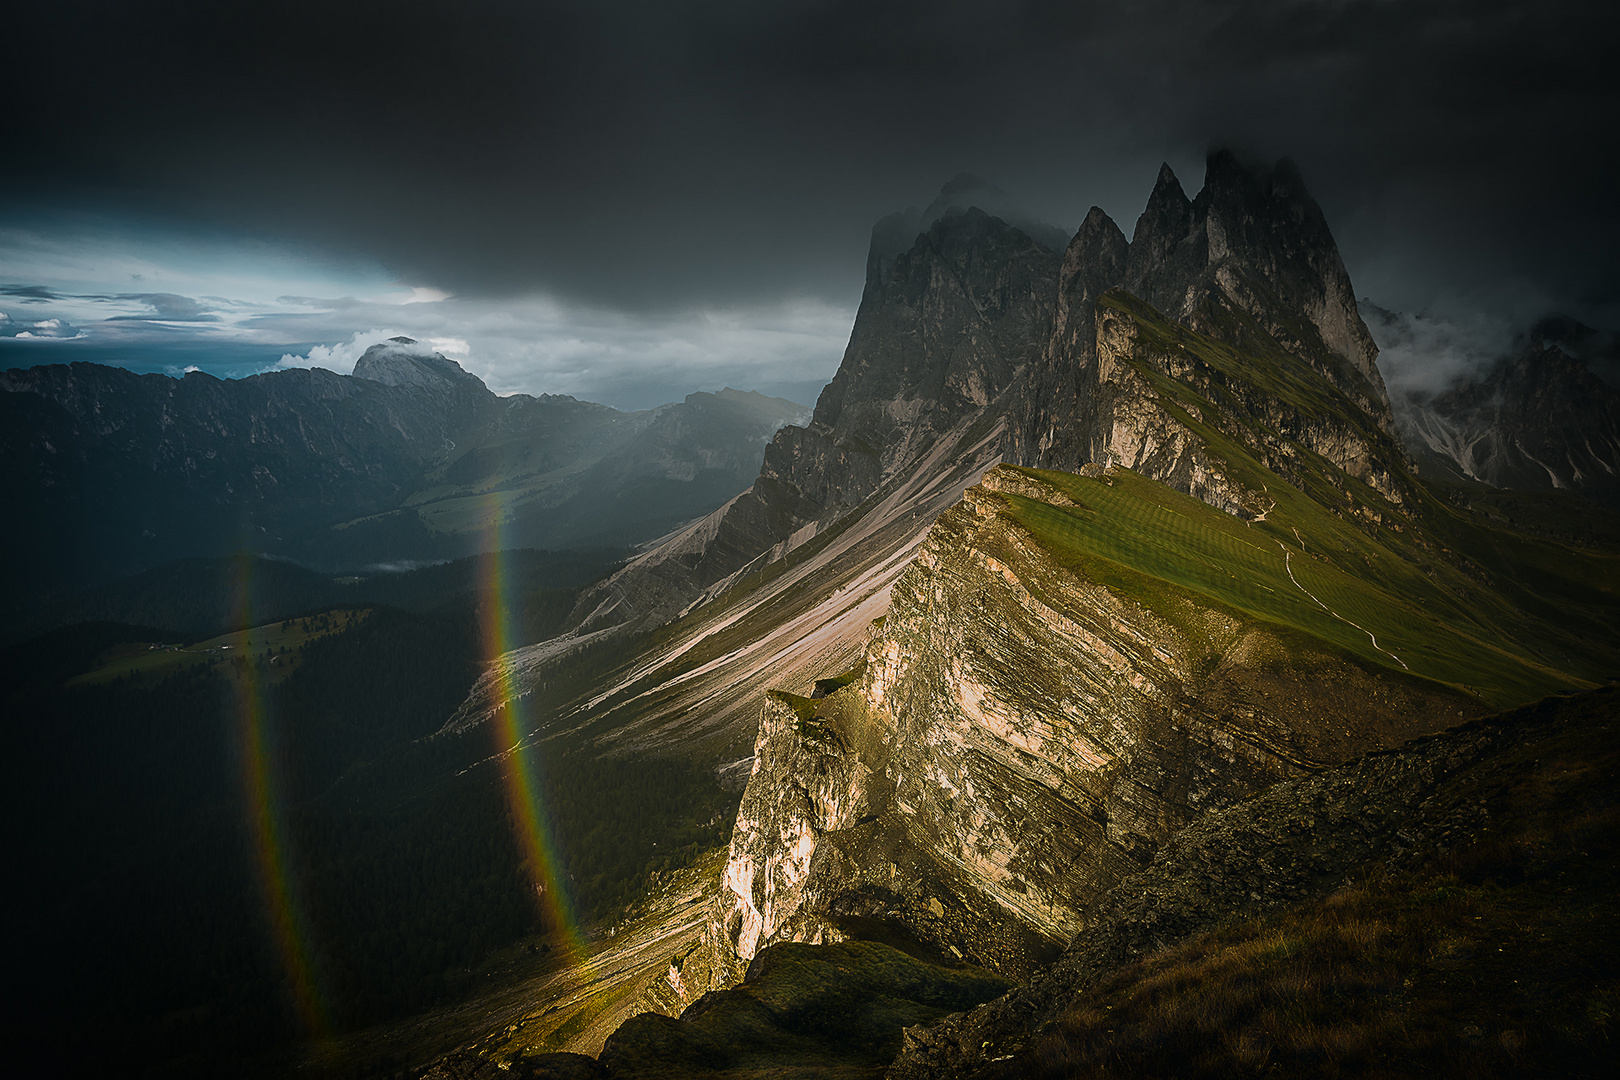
1056, 414
1027, 730
942, 330
1251, 266
1174, 404
1073, 667
1457, 854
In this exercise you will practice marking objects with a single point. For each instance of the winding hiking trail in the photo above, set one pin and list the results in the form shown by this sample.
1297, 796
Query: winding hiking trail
1289, 566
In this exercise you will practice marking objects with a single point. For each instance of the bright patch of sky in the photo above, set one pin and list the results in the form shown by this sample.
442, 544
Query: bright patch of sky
230, 307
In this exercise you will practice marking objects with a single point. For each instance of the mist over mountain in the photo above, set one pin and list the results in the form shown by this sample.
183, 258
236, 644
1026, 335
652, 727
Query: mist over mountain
1539, 411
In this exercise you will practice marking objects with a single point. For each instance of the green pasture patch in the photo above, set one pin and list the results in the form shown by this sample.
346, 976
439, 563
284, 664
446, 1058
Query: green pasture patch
804, 708
1152, 544
280, 640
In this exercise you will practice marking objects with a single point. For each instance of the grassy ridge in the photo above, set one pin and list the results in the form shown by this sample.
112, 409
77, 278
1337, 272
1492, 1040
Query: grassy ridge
1150, 542
1415, 585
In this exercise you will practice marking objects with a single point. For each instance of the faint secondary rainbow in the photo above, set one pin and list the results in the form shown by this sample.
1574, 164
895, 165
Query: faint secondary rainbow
263, 805
512, 723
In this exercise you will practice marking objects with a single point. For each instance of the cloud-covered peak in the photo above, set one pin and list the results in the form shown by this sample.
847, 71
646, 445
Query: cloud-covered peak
404, 361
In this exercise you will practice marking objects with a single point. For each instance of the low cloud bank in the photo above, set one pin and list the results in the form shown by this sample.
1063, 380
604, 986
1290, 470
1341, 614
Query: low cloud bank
1427, 354
341, 357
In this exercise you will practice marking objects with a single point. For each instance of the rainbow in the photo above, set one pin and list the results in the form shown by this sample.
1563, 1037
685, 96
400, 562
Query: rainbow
287, 921
511, 725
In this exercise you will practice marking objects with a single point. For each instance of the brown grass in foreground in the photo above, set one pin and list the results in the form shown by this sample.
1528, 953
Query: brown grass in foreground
1497, 959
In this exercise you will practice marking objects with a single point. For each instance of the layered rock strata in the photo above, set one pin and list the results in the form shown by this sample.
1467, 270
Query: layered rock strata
1020, 738
1388, 811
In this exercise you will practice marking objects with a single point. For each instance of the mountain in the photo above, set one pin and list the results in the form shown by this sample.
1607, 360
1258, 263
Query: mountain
1204, 566
1245, 581
410, 458
1537, 418
978, 344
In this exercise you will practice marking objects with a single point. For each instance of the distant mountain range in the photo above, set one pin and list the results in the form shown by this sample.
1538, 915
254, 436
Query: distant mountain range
1535, 418
409, 458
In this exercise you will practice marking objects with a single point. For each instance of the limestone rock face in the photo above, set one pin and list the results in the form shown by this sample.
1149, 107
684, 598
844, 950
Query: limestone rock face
1297, 841
1020, 739
1164, 395
1058, 409
973, 317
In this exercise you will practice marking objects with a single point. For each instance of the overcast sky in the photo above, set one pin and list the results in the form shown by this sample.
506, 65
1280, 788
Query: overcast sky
630, 201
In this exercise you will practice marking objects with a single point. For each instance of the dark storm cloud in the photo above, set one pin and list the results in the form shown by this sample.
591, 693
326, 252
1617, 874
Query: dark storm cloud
165, 306
655, 154
29, 294
169, 307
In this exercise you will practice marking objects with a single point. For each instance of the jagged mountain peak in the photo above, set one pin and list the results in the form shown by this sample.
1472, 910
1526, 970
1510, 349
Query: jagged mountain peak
1166, 179
1167, 193
403, 361
1255, 244
1098, 242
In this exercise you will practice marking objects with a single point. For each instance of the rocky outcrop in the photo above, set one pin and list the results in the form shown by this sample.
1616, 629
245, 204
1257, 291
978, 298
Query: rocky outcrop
1057, 412
1301, 839
801, 1011
1021, 737
1167, 398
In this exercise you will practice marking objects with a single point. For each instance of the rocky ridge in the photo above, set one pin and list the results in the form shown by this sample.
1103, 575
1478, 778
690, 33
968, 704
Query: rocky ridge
975, 317
974, 345
1388, 811
1026, 687
1028, 722
1493, 840
1020, 737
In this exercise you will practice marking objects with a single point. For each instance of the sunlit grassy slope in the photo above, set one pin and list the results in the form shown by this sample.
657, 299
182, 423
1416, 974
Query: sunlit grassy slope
1150, 542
